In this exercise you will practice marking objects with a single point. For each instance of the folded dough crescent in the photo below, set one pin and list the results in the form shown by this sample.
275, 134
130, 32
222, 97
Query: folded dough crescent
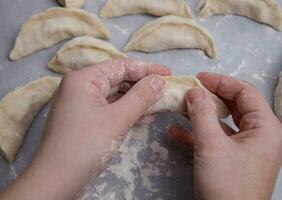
72, 3
171, 32
263, 11
82, 52
278, 99
115, 8
174, 94
54, 25
17, 110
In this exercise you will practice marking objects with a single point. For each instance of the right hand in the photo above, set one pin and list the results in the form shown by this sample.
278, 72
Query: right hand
231, 165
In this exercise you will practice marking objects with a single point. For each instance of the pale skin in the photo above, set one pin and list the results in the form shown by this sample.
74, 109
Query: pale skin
78, 141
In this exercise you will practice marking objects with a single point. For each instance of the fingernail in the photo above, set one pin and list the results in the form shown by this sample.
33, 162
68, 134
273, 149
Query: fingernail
157, 83
195, 95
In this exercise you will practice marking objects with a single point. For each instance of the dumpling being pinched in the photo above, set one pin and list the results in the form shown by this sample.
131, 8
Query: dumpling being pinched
82, 52
171, 32
115, 8
17, 110
174, 94
264, 11
54, 25
72, 3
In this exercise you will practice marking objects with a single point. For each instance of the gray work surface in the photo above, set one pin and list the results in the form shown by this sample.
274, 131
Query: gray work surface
150, 167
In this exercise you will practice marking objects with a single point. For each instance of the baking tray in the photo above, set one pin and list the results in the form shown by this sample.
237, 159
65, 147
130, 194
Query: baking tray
158, 168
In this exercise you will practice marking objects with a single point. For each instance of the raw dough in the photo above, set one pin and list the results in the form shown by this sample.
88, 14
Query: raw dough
81, 52
54, 25
171, 32
173, 98
264, 11
17, 110
278, 99
72, 3
115, 8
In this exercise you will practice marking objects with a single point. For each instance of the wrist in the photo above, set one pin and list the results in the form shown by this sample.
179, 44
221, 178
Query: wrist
45, 180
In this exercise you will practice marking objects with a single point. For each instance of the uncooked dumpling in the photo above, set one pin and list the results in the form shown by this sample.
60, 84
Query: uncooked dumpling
174, 94
278, 99
115, 8
264, 11
72, 3
82, 52
171, 32
54, 25
17, 110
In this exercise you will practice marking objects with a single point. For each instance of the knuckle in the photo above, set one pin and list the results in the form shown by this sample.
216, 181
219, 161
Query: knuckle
249, 121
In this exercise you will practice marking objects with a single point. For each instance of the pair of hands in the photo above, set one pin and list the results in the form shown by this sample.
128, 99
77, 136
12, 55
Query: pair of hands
83, 131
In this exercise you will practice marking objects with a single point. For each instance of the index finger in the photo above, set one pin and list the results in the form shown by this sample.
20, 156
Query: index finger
119, 70
247, 97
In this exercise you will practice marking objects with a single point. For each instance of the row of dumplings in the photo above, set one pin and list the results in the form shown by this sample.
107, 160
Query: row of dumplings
56, 24
264, 11
168, 32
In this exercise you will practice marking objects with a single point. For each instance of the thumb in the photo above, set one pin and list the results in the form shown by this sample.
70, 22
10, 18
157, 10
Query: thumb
140, 97
204, 118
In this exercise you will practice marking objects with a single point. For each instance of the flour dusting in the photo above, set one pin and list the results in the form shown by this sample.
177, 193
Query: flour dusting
159, 150
257, 77
203, 20
239, 68
263, 74
45, 114
100, 188
251, 50
268, 61
129, 162
130, 170
146, 174
223, 19
14, 173
120, 29
269, 30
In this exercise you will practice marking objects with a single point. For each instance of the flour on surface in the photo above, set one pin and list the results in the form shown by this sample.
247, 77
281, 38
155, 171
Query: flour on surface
268, 61
161, 151
129, 172
45, 114
202, 54
269, 30
146, 174
129, 162
14, 173
251, 50
222, 20
263, 74
203, 20
257, 77
100, 188
239, 68
120, 29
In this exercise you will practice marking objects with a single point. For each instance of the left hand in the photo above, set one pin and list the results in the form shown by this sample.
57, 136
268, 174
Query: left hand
83, 130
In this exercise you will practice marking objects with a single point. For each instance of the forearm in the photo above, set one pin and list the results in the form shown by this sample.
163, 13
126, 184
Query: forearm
40, 181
